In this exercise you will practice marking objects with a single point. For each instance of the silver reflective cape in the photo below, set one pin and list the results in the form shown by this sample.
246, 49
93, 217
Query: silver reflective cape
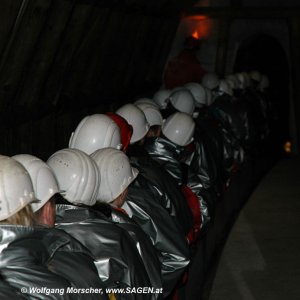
166, 236
165, 189
144, 245
172, 158
117, 259
45, 258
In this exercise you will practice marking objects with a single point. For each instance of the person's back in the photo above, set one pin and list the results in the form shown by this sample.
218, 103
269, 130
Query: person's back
143, 242
166, 236
152, 176
8, 292
24, 266
185, 67
164, 187
116, 257
119, 187
218, 141
45, 262
173, 150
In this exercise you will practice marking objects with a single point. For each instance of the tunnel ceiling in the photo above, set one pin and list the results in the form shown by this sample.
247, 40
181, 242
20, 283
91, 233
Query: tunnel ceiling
63, 59
63, 54
59, 55
257, 3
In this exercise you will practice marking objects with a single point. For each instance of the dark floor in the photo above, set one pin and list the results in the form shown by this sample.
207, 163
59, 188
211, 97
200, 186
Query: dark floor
261, 258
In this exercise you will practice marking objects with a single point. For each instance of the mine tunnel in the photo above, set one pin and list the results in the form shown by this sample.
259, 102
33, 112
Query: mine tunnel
150, 149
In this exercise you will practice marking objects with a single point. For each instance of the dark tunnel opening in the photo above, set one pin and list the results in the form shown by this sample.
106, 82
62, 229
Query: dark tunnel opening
265, 54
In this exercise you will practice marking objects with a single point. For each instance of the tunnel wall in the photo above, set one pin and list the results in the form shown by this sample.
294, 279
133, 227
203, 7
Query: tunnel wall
62, 59
226, 35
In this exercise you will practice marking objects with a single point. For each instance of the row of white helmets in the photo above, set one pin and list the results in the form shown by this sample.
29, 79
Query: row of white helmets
92, 168
141, 117
145, 112
80, 178
193, 94
77, 175
99, 137
244, 80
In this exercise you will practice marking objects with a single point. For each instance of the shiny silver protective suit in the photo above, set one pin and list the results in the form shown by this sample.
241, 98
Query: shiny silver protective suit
219, 142
142, 241
165, 188
234, 118
173, 158
165, 234
144, 246
46, 258
8, 292
117, 259
253, 106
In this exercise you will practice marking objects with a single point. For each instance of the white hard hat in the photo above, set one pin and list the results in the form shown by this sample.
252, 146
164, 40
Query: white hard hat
77, 175
198, 91
243, 80
183, 100
179, 128
146, 101
232, 80
247, 79
43, 179
161, 98
255, 75
210, 80
152, 114
115, 171
225, 87
209, 96
178, 88
16, 190
95, 132
231, 83
264, 82
136, 118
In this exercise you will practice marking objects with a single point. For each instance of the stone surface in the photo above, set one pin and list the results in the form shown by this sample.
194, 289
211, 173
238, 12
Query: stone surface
261, 258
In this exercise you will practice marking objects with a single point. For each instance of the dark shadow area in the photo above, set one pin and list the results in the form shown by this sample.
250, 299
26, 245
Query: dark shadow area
206, 260
265, 54
254, 251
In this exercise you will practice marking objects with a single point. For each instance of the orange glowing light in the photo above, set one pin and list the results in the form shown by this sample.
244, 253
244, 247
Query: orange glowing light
195, 17
287, 147
198, 26
195, 35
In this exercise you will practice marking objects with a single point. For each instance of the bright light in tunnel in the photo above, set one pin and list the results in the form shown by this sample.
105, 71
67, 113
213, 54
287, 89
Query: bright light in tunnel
199, 26
195, 34
288, 147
